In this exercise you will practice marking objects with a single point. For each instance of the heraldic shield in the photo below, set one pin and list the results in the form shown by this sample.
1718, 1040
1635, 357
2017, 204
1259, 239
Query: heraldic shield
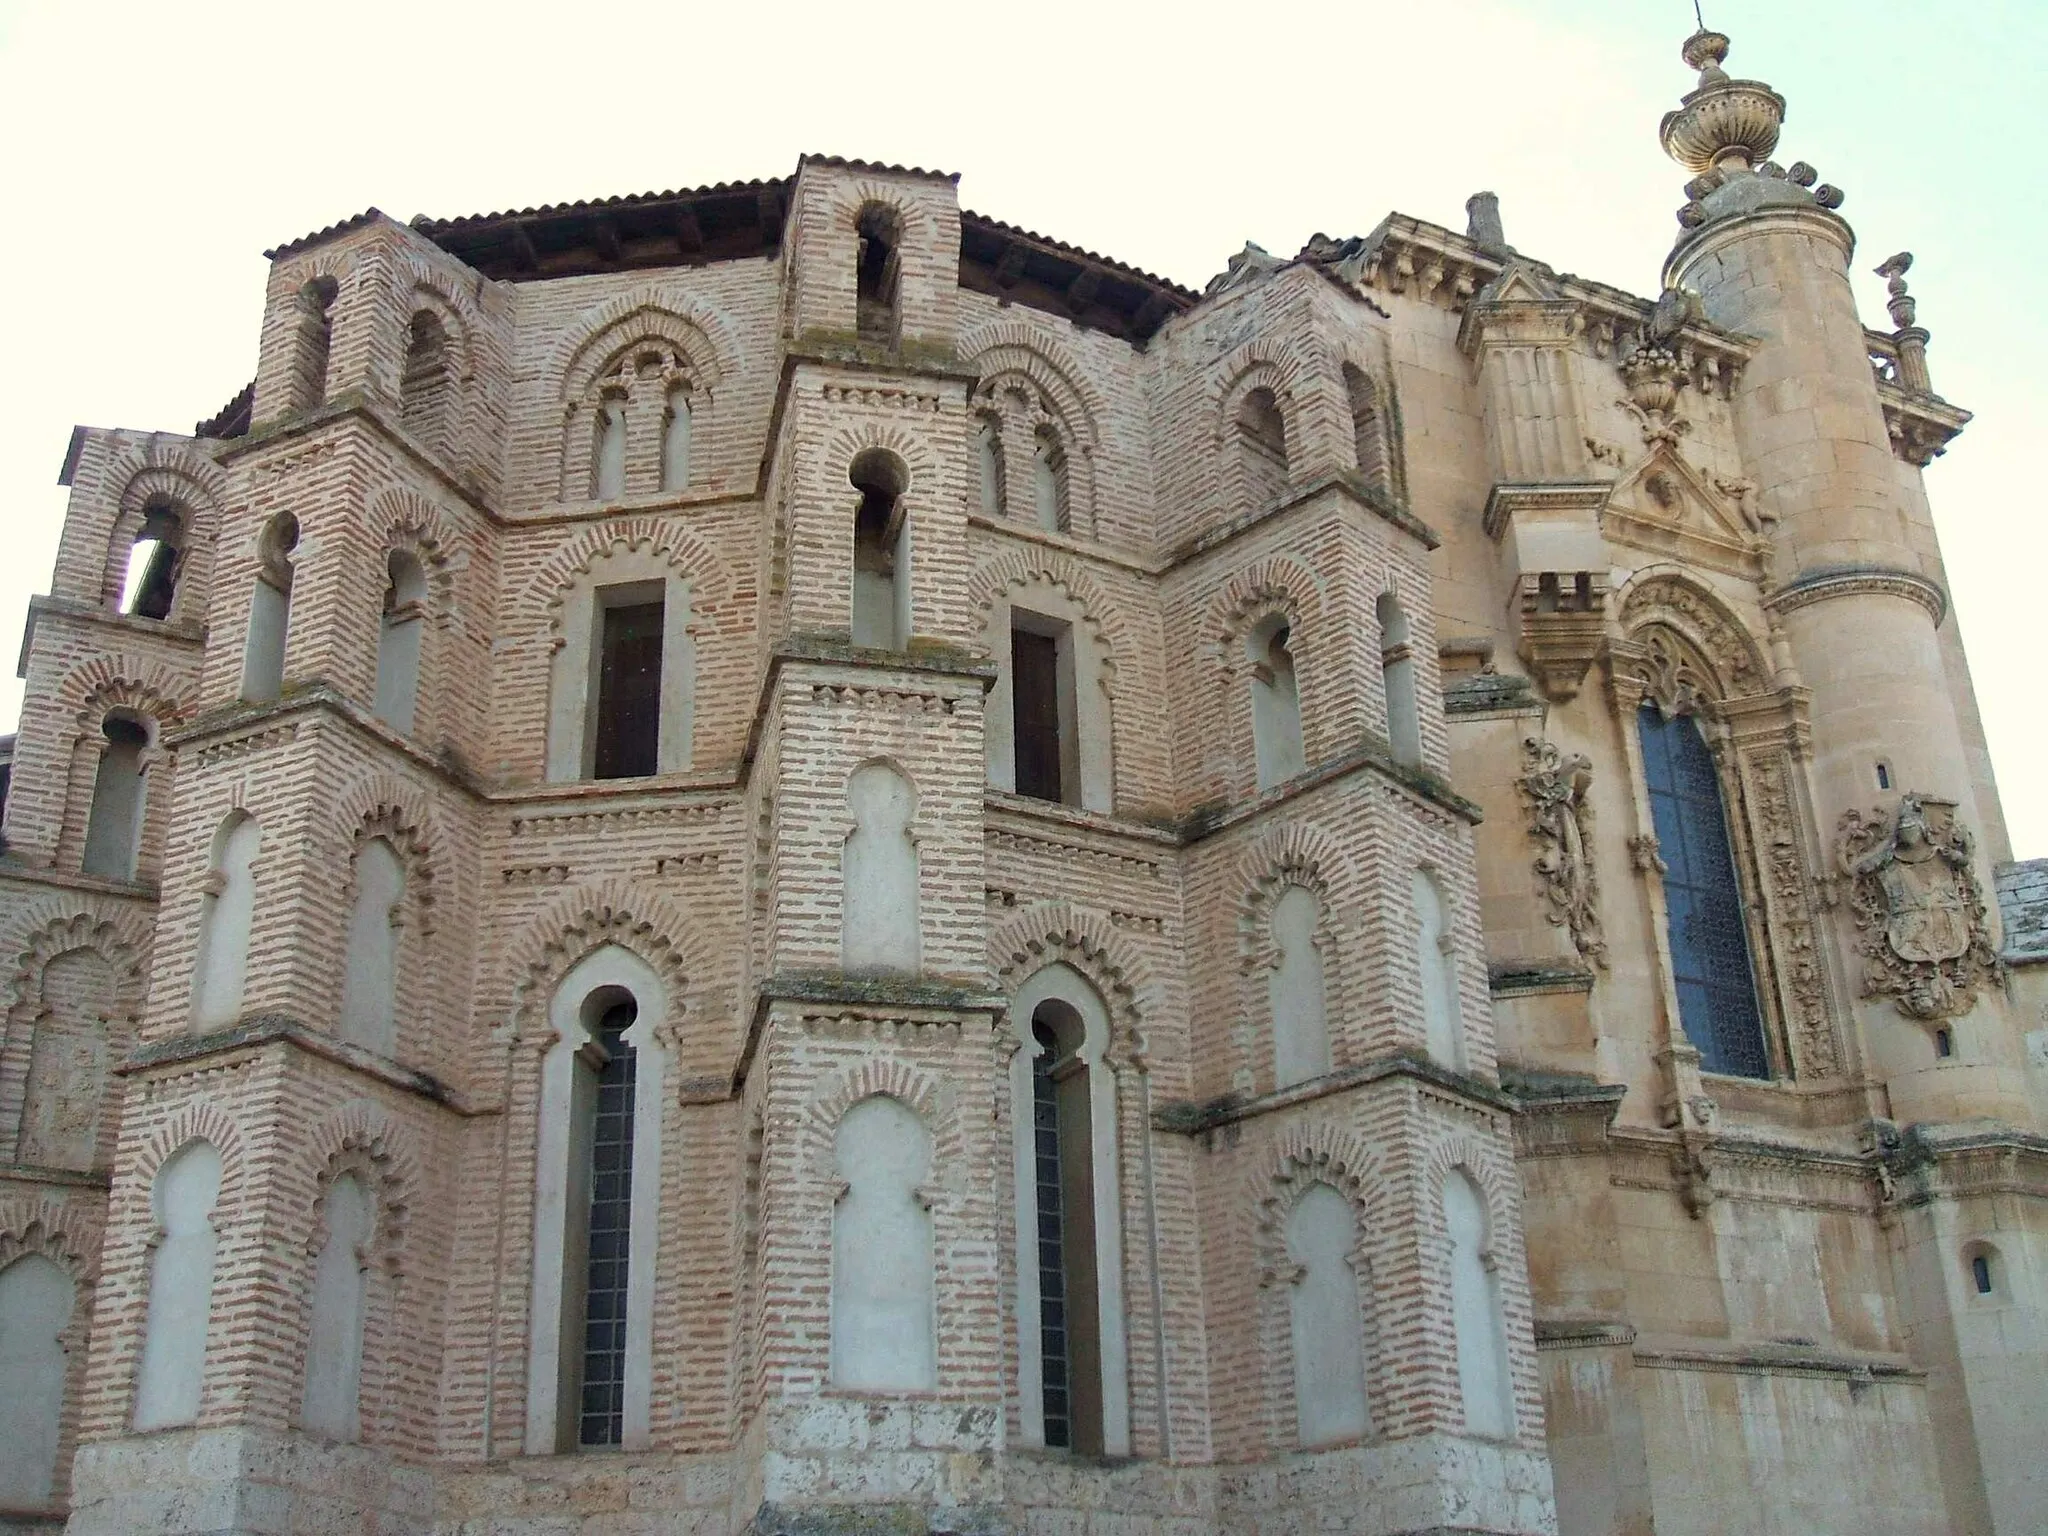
1926, 940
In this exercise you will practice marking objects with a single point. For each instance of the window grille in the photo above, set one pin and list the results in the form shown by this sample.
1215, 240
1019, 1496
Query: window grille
1710, 958
1052, 1261
611, 1214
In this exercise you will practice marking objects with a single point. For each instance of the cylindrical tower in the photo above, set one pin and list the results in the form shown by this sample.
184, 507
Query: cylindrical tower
1856, 577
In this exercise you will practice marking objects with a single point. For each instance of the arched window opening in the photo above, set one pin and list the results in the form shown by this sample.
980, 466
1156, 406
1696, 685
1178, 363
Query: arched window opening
1295, 989
1276, 703
597, 1214
1070, 1348
884, 1314
315, 322
1484, 1386
369, 989
1982, 1278
607, 1212
426, 388
1049, 481
1326, 1322
988, 448
878, 274
113, 829
1368, 427
1436, 958
398, 641
624, 728
332, 1403
1397, 680
1262, 446
608, 454
66, 1093
675, 439
1044, 727
172, 1373
881, 551
36, 1301
227, 910
151, 580
270, 606
1705, 925
878, 874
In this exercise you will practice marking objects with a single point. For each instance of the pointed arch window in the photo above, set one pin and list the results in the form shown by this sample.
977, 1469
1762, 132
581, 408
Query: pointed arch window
1712, 968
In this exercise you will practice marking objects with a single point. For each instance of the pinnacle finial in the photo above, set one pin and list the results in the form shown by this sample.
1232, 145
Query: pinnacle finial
1704, 51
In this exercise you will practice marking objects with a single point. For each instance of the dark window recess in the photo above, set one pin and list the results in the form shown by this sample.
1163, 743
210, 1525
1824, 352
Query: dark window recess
1980, 1273
1052, 1259
629, 693
1035, 700
154, 592
602, 1417
1709, 938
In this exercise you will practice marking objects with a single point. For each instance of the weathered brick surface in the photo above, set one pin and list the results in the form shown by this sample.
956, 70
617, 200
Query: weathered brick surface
1610, 1235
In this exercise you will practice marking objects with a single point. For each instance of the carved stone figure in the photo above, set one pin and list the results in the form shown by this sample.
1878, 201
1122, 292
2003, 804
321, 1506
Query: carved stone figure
1926, 941
1555, 786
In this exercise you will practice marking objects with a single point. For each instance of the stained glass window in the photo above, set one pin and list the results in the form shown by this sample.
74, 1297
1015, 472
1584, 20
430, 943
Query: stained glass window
1710, 957
1052, 1259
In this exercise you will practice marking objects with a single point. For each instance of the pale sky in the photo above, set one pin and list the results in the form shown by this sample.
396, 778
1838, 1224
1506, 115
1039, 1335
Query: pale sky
154, 151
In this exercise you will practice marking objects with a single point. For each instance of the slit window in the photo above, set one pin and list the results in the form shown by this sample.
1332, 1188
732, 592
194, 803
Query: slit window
626, 713
1980, 1273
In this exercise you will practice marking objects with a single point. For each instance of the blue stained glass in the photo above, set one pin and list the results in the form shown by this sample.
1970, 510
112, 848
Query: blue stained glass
1710, 959
602, 1419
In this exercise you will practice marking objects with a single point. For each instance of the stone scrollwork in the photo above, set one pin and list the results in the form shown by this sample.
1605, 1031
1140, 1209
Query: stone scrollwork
1555, 786
1783, 866
1925, 934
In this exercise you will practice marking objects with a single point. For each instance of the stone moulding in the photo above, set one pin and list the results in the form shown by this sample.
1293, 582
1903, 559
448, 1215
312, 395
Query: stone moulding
1817, 586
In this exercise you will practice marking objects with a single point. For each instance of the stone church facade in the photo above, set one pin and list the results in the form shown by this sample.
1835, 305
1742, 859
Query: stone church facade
783, 859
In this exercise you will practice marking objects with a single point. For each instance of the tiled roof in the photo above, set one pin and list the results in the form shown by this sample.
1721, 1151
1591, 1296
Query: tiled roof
292, 247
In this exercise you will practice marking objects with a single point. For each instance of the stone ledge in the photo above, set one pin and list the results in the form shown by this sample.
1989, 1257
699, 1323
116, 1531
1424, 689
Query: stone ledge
258, 1030
1187, 1119
1527, 978
1772, 1357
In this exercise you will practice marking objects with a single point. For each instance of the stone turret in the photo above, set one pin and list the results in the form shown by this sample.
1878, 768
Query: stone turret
1858, 589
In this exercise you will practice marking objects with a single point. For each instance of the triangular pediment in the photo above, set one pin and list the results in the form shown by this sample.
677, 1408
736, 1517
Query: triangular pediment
1664, 503
1520, 282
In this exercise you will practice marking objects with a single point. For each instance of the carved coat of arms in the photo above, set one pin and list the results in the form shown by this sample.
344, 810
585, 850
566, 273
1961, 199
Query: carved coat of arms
1926, 939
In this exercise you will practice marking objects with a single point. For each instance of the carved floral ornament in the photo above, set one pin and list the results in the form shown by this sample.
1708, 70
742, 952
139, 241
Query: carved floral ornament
1925, 933
1555, 787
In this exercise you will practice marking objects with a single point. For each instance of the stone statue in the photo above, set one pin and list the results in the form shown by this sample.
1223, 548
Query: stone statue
1555, 787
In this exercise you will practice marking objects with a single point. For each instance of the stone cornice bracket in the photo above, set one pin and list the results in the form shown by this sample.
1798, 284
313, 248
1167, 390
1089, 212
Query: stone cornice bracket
1558, 597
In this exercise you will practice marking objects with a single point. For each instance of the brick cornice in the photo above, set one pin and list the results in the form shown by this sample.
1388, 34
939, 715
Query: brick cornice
1183, 1118
258, 1031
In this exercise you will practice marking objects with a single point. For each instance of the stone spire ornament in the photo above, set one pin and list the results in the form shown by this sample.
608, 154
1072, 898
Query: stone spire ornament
1723, 131
1910, 338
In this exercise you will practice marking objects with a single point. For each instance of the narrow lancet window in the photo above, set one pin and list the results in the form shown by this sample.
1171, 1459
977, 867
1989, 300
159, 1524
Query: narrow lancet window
1262, 446
988, 447
398, 641
113, 832
151, 580
675, 439
877, 274
1049, 481
1397, 680
608, 461
602, 1403
1276, 703
270, 607
1705, 923
881, 552
626, 707
1070, 1349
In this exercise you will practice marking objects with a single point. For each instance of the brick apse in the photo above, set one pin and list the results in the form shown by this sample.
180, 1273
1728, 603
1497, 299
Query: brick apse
781, 859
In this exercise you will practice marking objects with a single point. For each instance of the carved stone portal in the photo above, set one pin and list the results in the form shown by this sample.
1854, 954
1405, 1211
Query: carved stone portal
1555, 786
1926, 938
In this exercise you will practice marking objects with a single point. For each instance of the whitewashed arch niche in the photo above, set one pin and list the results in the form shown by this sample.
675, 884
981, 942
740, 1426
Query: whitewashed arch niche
270, 608
1276, 701
1325, 1319
1436, 963
1049, 729
878, 867
172, 1372
331, 1405
597, 1207
622, 686
369, 983
113, 830
1485, 1387
399, 629
1073, 1376
227, 912
881, 550
884, 1296
37, 1303
1397, 680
